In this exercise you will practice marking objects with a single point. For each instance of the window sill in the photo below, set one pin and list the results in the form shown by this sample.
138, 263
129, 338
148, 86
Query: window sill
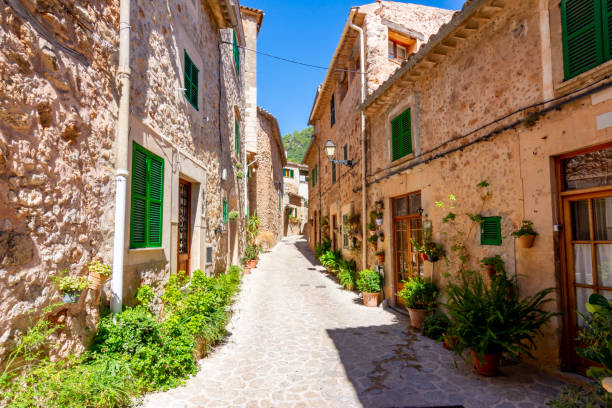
585, 78
138, 250
401, 160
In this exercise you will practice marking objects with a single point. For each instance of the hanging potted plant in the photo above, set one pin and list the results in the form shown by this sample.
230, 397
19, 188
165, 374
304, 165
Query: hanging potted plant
525, 235
373, 240
381, 236
372, 227
379, 206
370, 285
419, 297
98, 274
429, 250
381, 256
378, 217
70, 286
491, 319
233, 215
251, 253
492, 265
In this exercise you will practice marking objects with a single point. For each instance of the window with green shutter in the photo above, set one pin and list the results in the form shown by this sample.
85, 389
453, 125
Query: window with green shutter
224, 211
333, 172
332, 111
345, 152
191, 81
313, 176
236, 52
291, 173
490, 231
147, 199
401, 136
236, 137
587, 34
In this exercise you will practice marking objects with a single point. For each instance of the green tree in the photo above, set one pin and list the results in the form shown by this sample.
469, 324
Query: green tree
297, 143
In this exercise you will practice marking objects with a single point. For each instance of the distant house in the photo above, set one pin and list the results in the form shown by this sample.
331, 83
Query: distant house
296, 197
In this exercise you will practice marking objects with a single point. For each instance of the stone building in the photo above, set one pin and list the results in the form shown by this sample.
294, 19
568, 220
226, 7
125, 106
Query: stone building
295, 200
265, 179
59, 149
392, 32
516, 132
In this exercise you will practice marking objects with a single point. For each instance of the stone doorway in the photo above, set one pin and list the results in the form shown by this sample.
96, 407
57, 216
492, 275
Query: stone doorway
184, 223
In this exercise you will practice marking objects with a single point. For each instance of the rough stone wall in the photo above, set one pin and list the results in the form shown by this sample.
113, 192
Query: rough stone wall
58, 104
250, 111
267, 181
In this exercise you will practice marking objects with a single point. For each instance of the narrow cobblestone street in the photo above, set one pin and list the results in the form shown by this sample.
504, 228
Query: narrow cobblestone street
298, 340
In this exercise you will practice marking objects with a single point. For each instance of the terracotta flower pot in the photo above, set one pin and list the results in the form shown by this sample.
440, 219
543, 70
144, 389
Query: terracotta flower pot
424, 256
252, 263
417, 317
488, 366
526, 241
381, 258
370, 299
450, 341
247, 270
96, 280
372, 233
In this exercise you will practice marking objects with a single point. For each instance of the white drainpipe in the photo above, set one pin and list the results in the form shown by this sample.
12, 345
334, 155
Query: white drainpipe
363, 139
122, 155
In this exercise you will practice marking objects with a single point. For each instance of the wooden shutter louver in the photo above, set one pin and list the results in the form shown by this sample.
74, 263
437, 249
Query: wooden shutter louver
401, 135
138, 219
582, 35
490, 231
236, 53
191, 81
156, 201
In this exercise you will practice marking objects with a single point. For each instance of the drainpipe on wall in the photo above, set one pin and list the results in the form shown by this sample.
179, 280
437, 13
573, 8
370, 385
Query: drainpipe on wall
122, 173
363, 138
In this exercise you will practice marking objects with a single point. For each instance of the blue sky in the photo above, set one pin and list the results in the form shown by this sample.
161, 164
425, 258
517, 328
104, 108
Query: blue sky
307, 31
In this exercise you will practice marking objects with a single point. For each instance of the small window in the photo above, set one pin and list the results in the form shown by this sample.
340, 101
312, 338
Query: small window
191, 81
236, 136
401, 52
332, 111
345, 232
345, 152
398, 51
209, 255
147, 199
333, 172
313, 176
490, 231
401, 136
236, 53
224, 211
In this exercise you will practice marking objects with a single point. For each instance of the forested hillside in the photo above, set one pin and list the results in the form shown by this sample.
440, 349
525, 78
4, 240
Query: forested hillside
297, 143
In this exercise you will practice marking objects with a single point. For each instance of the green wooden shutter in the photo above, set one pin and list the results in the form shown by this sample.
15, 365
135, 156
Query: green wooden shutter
191, 81
147, 199
156, 196
291, 173
138, 216
490, 231
237, 136
332, 111
582, 35
401, 136
333, 172
607, 28
224, 211
236, 51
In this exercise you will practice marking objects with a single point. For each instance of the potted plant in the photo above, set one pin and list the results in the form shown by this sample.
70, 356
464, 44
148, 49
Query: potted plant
346, 274
429, 250
381, 236
378, 218
525, 235
70, 286
419, 297
98, 274
330, 260
435, 325
370, 285
251, 252
491, 319
372, 227
373, 240
381, 256
493, 265
233, 215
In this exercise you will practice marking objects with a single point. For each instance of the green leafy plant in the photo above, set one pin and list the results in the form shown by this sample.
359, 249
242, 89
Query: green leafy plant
69, 284
100, 268
433, 251
251, 252
330, 260
436, 325
347, 274
233, 215
369, 281
526, 229
495, 261
380, 252
321, 248
373, 239
238, 165
239, 174
145, 295
574, 396
492, 319
418, 294
252, 228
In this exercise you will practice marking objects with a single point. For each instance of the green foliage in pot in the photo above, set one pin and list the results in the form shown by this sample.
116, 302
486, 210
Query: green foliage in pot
435, 325
418, 294
433, 251
369, 281
239, 174
495, 261
100, 268
233, 215
251, 252
70, 284
373, 239
252, 228
330, 260
492, 319
598, 339
574, 396
347, 272
321, 248
526, 229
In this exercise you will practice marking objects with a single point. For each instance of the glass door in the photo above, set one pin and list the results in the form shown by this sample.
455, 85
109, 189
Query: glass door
407, 224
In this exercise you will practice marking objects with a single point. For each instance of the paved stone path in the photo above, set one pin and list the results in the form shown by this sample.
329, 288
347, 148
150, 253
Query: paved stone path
298, 340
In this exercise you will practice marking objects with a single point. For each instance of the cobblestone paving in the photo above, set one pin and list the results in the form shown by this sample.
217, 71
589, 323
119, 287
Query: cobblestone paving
298, 340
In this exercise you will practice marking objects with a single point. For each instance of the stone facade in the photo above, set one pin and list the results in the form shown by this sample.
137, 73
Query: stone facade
295, 200
505, 114
266, 179
335, 199
57, 147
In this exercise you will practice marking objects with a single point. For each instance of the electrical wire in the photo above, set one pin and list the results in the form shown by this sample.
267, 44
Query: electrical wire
290, 60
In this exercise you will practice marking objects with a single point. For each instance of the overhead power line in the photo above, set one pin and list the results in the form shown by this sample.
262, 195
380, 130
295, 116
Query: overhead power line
291, 60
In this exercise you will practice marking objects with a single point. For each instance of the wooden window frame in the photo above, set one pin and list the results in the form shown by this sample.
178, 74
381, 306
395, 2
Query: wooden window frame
399, 134
397, 43
149, 156
188, 78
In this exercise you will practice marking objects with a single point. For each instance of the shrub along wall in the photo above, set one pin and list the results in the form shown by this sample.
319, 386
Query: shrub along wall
139, 352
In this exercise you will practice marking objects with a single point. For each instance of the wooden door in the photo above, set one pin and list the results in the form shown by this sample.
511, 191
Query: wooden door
588, 243
184, 225
407, 224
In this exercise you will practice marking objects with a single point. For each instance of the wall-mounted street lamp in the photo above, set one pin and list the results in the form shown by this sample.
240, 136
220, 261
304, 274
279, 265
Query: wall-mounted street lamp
330, 150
